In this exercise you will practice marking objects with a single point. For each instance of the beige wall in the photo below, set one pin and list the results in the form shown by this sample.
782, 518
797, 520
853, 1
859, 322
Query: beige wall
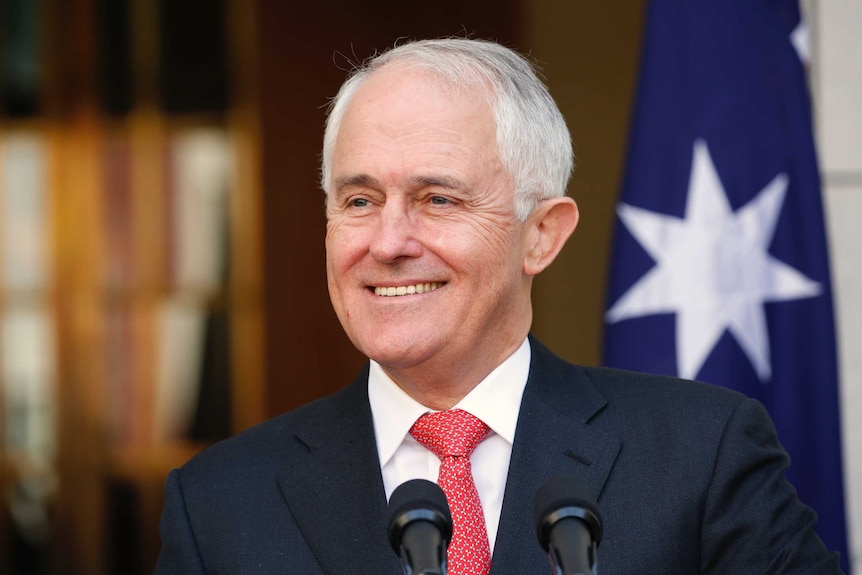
836, 78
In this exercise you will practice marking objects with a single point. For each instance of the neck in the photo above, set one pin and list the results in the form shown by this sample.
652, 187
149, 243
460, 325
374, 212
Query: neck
440, 385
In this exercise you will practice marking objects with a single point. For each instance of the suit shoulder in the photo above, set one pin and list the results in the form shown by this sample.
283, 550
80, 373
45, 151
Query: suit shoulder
670, 409
618, 385
619, 382
267, 444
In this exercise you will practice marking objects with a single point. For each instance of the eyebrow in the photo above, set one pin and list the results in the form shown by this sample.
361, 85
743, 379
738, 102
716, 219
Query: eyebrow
366, 180
357, 180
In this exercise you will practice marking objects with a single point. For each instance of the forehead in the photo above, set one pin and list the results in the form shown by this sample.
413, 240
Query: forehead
410, 111
403, 88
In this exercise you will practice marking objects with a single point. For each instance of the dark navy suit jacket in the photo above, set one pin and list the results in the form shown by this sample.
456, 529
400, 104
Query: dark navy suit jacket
689, 478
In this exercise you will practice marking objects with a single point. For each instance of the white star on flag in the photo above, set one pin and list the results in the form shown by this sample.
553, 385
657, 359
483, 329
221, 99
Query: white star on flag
713, 269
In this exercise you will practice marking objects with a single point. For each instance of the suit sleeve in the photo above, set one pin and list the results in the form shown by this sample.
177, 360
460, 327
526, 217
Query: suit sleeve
179, 554
753, 520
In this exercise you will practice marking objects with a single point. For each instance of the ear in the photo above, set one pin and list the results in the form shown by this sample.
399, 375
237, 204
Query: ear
548, 228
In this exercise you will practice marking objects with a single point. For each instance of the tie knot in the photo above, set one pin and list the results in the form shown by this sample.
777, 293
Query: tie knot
449, 433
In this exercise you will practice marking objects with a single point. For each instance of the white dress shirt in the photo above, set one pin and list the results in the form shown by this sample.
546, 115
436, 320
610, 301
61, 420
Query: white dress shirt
496, 400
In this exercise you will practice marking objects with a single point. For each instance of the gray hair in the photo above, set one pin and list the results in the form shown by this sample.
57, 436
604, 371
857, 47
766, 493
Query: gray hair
532, 138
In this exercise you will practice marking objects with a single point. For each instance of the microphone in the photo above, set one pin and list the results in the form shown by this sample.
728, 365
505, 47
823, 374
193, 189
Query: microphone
568, 525
420, 527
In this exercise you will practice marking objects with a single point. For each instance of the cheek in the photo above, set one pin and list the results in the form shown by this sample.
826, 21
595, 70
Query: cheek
344, 247
487, 265
497, 248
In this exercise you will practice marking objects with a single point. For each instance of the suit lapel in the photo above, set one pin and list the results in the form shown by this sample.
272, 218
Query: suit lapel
335, 490
552, 438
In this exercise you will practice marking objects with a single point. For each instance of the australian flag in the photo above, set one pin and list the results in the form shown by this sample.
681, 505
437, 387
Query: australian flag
720, 270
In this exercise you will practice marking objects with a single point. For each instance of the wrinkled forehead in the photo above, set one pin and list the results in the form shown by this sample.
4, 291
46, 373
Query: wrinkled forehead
411, 114
397, 96
431, 80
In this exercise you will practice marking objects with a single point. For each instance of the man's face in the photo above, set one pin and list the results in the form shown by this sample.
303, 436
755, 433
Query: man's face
424, 250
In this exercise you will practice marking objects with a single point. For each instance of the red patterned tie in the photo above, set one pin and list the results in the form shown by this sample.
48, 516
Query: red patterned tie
452, 436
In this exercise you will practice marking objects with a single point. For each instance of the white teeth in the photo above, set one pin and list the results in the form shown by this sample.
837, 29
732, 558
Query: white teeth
406, 290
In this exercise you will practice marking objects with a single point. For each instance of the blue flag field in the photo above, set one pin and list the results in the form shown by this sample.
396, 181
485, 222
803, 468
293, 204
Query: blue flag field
720, 269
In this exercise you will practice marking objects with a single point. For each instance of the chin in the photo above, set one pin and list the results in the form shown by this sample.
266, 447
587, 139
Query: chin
399, 356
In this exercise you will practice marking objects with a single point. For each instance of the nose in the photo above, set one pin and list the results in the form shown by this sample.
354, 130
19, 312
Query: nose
395, 234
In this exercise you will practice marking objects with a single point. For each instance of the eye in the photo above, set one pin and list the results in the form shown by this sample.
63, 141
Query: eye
358, 202
439, 200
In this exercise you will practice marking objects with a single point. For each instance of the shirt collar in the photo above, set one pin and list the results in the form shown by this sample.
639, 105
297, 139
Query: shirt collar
496, 400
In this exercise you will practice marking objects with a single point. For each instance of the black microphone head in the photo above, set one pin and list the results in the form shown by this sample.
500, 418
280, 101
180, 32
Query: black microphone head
418, 500
561, 497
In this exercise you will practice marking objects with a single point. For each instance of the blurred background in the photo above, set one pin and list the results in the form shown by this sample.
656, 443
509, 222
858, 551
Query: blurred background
162, 281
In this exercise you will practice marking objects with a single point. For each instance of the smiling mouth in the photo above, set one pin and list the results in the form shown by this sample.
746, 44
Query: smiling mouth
391, 291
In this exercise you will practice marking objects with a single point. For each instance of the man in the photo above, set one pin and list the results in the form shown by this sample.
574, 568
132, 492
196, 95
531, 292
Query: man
445, 165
